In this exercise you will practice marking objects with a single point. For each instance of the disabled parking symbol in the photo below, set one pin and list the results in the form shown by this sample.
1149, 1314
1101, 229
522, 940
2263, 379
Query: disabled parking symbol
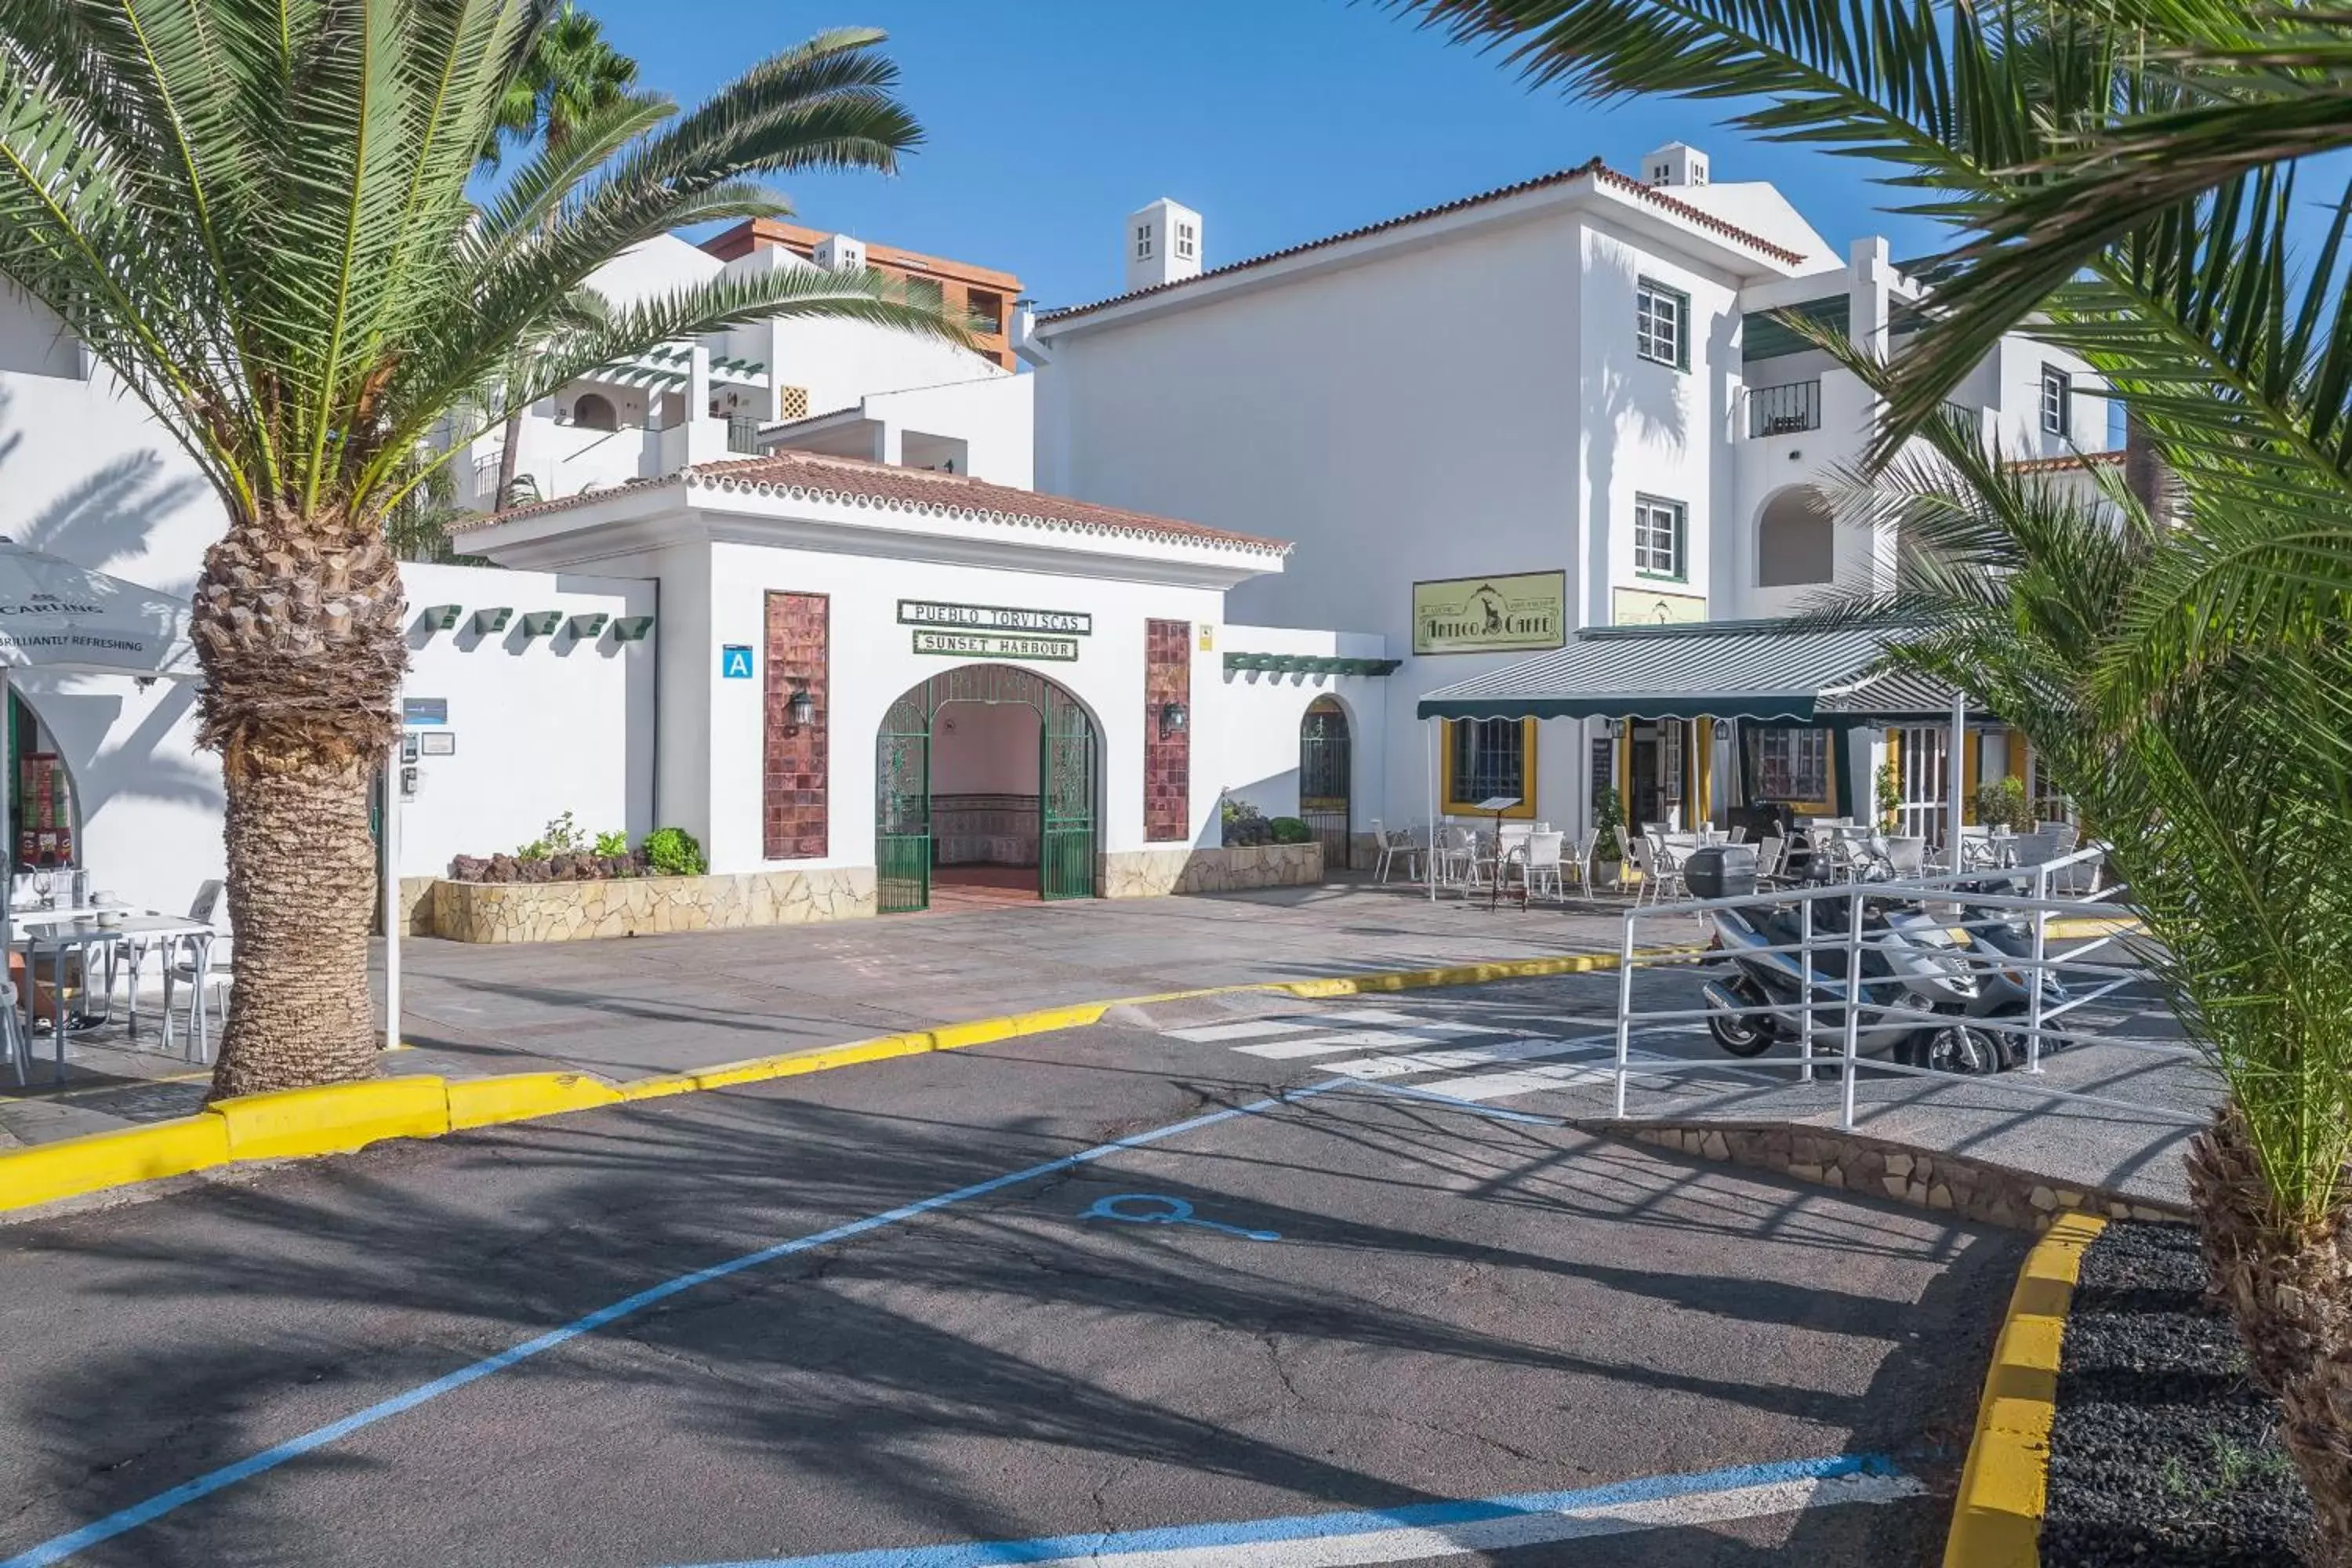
1165, 1210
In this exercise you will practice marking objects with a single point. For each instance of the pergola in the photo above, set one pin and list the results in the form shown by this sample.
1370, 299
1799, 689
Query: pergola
1757, 673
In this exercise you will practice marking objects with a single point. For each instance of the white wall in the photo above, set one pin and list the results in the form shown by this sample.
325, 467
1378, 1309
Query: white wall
85, 474
873, 663
992, 417
1257, 714
985, 748
543, 725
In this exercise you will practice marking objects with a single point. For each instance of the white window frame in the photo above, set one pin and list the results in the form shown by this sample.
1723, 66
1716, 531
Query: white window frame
2057, 402
1185, 242
1789, 760
1668, 345
1143, 242
1651, 516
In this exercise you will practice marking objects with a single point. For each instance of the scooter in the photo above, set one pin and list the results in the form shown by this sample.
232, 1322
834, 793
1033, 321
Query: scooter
1914, 963
2005, 991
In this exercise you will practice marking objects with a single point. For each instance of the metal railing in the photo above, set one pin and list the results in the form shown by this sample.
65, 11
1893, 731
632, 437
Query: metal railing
743, 434
1784, 410
1824, 987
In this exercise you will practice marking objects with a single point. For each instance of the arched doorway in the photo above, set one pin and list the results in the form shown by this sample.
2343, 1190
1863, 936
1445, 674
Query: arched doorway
986, 777
1323, 774
1796, 540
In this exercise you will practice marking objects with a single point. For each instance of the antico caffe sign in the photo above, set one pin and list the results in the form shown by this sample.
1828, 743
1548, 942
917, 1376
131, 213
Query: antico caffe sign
1526, 613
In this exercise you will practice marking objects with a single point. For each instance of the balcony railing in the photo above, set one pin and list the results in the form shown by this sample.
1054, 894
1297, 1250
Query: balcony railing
1784, 410
1968, 421
743, 434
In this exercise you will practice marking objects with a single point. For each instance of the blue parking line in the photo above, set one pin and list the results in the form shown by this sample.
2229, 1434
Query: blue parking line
59, 1548
1319, 1526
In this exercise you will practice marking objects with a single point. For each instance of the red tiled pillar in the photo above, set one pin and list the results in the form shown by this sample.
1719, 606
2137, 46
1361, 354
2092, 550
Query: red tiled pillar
1167, 759
793, 757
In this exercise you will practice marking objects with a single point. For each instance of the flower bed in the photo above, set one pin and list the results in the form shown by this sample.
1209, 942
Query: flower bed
2163, 1452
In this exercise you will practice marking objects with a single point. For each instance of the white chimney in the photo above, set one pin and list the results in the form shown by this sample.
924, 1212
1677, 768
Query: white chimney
1163, 245
840, 253
1675, 163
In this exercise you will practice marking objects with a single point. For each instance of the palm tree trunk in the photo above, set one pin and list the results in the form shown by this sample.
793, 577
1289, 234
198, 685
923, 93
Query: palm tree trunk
507, 456
298, 621
2289, 1287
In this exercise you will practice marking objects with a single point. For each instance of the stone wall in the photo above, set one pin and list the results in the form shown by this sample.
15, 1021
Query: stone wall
1154, 873
640, 906
1972, 1189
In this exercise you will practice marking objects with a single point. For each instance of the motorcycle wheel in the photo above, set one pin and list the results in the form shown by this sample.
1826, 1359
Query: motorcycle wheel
1956, 1049
1745, 1035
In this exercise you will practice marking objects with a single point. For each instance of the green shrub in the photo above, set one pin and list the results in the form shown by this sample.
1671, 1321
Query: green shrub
612, 846
1889, 793
2001, 803
673, 852
1609, 816
1290, 830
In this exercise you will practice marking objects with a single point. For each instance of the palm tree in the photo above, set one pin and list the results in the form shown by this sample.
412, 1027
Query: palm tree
257, 219
2121, 170
570, 76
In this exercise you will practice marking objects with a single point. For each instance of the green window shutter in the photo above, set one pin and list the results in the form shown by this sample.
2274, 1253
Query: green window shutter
1683, 333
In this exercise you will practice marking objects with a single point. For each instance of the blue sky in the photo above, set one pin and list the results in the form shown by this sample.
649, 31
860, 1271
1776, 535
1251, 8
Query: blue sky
1281, 120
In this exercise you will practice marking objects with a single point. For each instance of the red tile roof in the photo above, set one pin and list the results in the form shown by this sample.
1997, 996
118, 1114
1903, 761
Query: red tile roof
827, 478
2061, 464
1598, 170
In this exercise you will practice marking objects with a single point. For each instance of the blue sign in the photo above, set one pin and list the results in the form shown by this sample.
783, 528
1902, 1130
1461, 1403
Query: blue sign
735, 662
424, 710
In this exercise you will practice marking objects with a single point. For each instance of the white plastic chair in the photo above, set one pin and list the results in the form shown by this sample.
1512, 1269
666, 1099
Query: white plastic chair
1582, 864
1770, 851
1543, 864
1738, 833
201, 962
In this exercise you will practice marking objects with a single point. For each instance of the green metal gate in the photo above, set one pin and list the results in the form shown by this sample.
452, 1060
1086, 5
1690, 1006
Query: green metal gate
1067, 784
1065, 797
902, 805
1323, 774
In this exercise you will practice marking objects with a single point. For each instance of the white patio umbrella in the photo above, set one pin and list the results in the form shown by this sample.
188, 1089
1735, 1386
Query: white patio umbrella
57, 616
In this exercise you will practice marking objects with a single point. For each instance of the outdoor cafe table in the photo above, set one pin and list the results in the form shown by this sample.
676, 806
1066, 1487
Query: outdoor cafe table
68, 931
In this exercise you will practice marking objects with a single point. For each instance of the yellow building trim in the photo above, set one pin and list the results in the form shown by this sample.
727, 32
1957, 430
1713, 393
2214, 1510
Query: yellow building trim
1971, 762
1703, 772
1523, 812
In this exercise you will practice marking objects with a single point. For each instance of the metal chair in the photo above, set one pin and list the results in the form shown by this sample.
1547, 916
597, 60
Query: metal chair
201, 962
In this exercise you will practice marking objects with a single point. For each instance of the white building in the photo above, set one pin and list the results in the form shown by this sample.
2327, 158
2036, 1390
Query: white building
1492, 425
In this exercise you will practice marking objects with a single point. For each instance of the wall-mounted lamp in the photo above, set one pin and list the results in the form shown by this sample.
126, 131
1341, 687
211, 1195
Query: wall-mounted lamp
586, 628
441, 617
631, 628
541, 623
489, 622
801, 708
1173, 719
1616, 728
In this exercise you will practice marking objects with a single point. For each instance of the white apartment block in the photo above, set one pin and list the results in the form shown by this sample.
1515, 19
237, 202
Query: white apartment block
1577, 380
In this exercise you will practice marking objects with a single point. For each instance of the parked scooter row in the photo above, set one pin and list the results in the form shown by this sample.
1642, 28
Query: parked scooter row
1922, 997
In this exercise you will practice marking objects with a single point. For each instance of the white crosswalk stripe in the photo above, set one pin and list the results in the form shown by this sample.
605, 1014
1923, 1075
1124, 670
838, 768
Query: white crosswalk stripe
1386, 1045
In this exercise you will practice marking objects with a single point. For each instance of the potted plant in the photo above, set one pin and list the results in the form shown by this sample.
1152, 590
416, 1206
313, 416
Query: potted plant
1608, 847
2001, 803
1888, 793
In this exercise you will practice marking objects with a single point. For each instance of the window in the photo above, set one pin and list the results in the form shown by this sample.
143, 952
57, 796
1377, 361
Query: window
1186, 242
1143, 242
1660, 173
987, 309
1658, 537
1662, 325
2057, 401
1792, 766
1490, 757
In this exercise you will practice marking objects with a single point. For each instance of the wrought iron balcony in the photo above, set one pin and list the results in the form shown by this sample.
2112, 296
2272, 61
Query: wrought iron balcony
1784, 410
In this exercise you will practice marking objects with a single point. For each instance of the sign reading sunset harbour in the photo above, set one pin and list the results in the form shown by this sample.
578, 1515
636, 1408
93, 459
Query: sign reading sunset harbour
996, 645
994, 618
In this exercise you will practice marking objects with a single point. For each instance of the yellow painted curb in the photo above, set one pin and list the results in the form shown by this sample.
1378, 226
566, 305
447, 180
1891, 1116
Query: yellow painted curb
1997, 1518
336, 1118
72, 1166
333, 1118
524, 1097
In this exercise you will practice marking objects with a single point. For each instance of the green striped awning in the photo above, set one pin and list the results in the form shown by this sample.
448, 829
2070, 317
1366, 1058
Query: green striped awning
1720, 669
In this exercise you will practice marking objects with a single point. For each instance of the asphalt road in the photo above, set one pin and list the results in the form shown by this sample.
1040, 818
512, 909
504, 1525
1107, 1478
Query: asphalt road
1457, 1307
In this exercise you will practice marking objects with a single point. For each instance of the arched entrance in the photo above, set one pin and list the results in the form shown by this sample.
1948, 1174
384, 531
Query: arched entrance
1323, 774
983, 773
